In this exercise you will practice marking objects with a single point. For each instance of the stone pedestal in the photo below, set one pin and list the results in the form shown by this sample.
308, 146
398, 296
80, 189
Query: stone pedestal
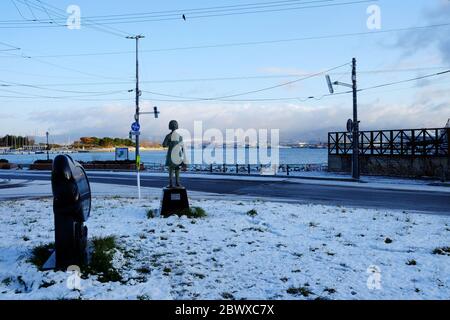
174, 200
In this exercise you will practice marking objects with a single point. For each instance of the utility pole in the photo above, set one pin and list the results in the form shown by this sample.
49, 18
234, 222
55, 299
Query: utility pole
352, 125
355, 155
136, 115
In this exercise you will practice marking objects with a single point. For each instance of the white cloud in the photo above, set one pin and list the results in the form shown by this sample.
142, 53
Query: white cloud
296, 121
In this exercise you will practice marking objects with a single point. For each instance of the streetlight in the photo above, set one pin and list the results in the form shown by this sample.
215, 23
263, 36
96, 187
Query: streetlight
352, 125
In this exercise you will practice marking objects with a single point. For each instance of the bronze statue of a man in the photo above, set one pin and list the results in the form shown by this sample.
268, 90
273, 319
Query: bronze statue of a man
176, 157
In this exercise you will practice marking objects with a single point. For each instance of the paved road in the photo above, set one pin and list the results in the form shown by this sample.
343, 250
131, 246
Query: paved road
283, 189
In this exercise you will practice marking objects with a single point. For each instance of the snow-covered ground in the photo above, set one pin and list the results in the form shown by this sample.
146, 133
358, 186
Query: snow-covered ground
285, 251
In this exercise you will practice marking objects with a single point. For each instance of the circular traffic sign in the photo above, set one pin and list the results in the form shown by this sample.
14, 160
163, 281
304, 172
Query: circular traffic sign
349, 125
135, 127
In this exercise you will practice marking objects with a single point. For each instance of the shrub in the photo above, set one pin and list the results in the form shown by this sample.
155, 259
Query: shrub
193, 212
252, 213
150, 214
40, 254
304, 291
411, 262
442, 251
101, 260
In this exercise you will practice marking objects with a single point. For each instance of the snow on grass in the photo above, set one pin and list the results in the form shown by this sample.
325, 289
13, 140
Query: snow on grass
240, 250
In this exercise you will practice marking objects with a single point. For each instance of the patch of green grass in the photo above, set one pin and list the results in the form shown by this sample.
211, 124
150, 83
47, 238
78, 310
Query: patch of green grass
7, 281
256, 229
40, 254
167, 270
150, 214
227, 296
101, 260
304, 291
192, 213
252, 213
411, 262
443, 251
143, 270
46, 284
330, 290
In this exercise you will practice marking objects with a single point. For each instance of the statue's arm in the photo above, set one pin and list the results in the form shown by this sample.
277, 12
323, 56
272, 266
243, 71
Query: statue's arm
183, 150
165, 143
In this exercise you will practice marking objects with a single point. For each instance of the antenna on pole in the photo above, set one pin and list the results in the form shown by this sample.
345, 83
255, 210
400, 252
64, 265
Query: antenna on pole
330, 85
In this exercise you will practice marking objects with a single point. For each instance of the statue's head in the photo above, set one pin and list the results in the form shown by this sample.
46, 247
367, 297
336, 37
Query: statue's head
173, 125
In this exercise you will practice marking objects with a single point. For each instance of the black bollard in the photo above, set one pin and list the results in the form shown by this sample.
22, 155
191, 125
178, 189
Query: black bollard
71, 208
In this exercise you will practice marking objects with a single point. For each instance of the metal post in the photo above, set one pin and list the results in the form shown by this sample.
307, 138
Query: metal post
136, 116
48, 157
355, 155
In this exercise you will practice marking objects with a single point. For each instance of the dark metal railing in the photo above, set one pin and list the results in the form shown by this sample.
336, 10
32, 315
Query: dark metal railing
405, 142
247, 169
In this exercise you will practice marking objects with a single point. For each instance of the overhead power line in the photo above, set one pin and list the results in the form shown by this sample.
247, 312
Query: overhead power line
229, 78
221, 99
21, 95
186, 11
15, 84
197, 15
253, 91
8, 46
251, 43
407, 80
60, 15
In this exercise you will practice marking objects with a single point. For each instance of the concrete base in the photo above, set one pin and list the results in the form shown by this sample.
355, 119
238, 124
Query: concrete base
399, 166
174, 200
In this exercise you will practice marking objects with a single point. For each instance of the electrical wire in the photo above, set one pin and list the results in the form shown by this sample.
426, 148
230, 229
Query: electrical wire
15, 84
179, 12
302, 99
405, 81
253, 91
59, 13
250, 43
204, 15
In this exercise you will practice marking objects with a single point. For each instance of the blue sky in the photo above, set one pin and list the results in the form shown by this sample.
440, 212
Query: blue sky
405, 55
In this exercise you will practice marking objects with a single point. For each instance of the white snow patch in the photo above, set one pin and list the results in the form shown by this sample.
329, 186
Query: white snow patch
323, 249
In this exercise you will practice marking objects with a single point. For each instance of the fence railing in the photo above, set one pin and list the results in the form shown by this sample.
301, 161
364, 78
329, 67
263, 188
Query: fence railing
283, 169
405, 142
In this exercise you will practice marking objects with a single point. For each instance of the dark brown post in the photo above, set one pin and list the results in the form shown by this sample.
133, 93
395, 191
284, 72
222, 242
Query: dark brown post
337, 143
391, 144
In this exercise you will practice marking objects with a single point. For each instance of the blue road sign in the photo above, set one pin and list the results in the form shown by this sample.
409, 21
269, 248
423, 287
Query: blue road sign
135, 127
